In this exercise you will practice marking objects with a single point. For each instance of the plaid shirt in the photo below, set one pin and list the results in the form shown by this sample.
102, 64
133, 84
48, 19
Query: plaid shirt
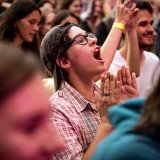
75, 121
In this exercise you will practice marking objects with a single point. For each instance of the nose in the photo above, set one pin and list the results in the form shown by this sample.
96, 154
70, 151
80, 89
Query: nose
92, 41
151, 28
36, 28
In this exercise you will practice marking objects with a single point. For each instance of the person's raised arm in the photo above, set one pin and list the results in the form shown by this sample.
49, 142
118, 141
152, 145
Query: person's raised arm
108, 49
133, 55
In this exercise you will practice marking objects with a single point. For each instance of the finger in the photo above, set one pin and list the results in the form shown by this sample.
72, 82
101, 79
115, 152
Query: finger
119, 3
112, 87
133, 6
119, 77
127, 2
118, 91
102, 85
134, 81
128, 76
96, 98
106, 84
135, 11
123, 73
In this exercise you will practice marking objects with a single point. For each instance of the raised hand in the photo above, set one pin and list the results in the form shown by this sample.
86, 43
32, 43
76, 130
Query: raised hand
128, 84
109, 94
132, 22
123, 13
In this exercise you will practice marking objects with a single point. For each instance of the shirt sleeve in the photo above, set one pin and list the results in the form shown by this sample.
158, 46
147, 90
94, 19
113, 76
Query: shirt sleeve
72, 148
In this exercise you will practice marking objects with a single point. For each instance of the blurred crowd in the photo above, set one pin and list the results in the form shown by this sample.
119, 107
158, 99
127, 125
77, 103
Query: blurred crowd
80, 79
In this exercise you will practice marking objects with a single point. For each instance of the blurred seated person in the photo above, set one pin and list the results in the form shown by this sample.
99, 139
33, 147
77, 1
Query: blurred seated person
47, 16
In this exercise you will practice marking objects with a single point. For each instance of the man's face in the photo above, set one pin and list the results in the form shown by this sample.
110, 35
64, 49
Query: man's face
25, 129
145, 28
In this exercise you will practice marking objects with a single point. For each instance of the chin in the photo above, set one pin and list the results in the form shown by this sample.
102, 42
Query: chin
101, 71
29, 40
146, 45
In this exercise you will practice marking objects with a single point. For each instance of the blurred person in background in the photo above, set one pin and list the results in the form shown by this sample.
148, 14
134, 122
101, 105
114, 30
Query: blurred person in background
25, 129
108, 6
146, 60
63, 16
19, 25
73, 6
93, 14
47, 16
46, 3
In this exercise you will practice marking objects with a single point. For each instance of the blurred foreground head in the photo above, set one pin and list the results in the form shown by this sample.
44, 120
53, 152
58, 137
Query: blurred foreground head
25, 129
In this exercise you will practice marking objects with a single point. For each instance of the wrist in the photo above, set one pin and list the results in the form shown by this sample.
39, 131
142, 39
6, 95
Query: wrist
104, 119
106, 126
119, 25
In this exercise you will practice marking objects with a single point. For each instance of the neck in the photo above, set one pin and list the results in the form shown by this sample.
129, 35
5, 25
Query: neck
123, 52
84, 87
141, 53
17, 42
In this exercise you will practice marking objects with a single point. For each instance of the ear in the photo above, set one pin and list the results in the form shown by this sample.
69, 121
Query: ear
63, 63
16, 24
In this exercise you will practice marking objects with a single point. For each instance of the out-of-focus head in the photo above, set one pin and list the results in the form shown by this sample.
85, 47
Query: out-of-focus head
54, 3
64, 16
45, 3
47, 16
20, 20
25, 129
144, 26
97, 8
73, 6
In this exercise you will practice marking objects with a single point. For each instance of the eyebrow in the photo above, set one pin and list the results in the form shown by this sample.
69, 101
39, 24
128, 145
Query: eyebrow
81, 34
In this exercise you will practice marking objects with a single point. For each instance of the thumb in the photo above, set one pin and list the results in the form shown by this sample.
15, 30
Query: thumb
96, 94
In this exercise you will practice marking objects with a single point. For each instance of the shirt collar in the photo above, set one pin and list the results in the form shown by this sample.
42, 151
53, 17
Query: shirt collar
78, 101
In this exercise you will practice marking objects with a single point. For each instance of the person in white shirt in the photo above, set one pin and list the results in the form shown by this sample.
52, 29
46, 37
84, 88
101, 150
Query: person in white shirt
147, 60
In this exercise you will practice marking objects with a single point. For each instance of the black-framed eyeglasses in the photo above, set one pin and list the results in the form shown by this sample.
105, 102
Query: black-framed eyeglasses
82, 39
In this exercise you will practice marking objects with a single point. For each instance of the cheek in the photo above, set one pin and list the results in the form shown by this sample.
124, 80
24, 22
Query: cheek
80, 59
22, 27
22, 143
44, 29
139, 34
16, 145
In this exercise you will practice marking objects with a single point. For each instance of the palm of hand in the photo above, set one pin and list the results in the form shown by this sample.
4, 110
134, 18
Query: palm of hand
128, 92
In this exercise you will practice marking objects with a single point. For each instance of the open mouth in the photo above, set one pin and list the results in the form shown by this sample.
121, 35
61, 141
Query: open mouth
97, 53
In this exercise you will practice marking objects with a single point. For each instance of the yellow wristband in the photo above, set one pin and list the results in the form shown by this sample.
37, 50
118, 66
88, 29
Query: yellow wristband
119, 25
